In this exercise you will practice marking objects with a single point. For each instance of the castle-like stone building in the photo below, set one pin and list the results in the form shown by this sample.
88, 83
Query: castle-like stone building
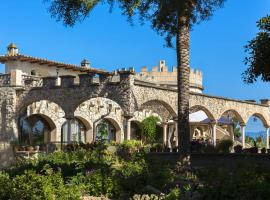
48, 102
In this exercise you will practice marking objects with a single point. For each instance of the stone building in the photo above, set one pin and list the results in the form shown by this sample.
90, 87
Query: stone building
163, 76
48, 102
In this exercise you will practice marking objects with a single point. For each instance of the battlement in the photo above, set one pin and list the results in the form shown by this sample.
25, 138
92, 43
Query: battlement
163, 76
17, 79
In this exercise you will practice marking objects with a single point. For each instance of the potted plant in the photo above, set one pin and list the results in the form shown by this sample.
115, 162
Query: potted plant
37, 147
29, 148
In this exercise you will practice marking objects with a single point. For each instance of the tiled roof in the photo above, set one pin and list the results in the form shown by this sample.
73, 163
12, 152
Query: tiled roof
41, 61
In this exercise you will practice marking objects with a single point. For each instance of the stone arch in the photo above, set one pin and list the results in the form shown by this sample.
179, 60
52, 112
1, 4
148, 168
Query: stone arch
48, 109
139, 116
261, 117
46, 121
160, 107
209, 114
95, 109
236, 114
135, 126
89, 129
118, 127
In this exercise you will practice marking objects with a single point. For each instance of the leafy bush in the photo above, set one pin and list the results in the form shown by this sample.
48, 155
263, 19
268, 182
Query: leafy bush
31, 186
97, 183
225, 146
132, 145
243, 182
149, 129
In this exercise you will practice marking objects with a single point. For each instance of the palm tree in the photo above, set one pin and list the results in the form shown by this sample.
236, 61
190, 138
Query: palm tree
170, 18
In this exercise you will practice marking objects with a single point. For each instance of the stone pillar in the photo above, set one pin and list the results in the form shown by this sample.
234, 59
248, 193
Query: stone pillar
243, 127
267, 137
214, 133
69, 131
15, 77
128, 129
165, 126
231, 131
176, 133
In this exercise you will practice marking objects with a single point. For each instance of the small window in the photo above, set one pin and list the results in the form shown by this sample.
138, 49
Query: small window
33, 72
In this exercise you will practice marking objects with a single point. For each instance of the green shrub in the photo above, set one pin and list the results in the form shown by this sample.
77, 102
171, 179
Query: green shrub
133, 145
5, 185
33, 186
149, 129
97, 183
225, 146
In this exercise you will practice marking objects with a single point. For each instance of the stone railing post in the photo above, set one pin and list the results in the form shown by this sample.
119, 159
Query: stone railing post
49, 81
67, 80
16, 77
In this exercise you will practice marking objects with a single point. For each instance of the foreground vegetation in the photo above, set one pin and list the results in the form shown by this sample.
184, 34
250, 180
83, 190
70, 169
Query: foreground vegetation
126, 171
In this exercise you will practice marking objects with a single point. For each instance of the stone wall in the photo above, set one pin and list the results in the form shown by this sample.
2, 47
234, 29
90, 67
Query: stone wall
8, 125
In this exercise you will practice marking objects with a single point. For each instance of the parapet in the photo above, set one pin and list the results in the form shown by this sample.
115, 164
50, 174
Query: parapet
265, 102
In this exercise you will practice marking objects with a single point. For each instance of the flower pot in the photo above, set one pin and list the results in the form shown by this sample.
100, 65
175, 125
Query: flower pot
37, 148
29, 148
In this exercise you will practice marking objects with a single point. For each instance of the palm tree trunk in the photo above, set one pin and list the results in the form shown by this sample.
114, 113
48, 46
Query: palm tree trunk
183, 70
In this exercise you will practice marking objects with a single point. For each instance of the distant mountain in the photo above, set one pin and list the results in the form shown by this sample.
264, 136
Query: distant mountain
256, 134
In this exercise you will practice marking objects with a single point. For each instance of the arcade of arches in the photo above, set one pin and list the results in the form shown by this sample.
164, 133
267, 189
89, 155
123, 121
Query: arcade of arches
58, 110
44, 122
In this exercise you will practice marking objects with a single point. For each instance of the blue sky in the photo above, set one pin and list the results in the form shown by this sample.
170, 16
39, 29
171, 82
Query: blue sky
109, 42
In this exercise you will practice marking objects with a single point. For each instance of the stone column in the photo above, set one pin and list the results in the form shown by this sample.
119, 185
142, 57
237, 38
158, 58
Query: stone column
68, 131
176, 133
214, 133
267, 137
165, 125
128, 129
231, 131
243, 127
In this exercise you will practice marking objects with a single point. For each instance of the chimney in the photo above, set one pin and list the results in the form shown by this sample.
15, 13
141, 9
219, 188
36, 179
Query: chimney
85, 63
12, 50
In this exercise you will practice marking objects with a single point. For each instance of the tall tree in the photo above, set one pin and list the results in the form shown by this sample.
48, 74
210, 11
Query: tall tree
171, 19
258, 49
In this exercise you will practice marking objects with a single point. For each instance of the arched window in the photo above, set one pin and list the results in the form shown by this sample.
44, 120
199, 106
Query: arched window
105, 131
34, 130
77, 132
